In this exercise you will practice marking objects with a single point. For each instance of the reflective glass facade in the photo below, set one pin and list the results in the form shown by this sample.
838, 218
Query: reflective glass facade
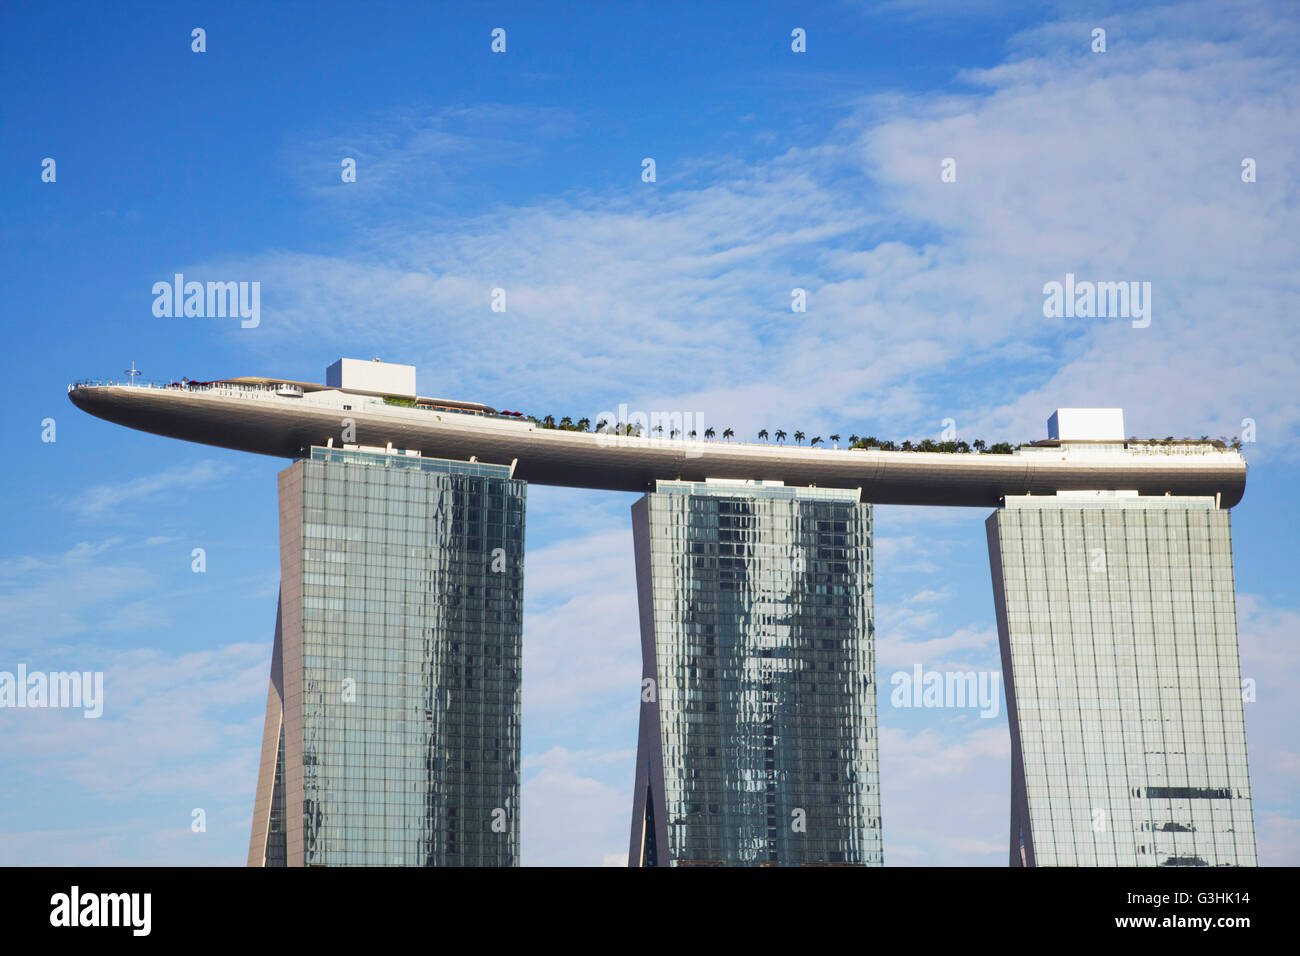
276, 851
1117, 625
758, 716
401, 605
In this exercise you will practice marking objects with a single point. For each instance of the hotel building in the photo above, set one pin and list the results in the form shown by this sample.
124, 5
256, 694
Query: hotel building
392, 725
1117, 626
757, 737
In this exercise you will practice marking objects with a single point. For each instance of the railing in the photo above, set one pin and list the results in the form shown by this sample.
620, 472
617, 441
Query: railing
177, 386
394, 460
1152, 447
443, 409
259, 392
250, 390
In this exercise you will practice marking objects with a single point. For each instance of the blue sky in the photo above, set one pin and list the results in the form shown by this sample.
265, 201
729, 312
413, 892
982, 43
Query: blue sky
775, 170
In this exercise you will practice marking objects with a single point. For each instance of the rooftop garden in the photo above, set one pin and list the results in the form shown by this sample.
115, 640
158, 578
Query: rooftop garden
867, 442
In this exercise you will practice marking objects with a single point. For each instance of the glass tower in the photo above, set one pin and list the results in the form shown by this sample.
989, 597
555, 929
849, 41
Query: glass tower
758, 702
1117, 625
392, 726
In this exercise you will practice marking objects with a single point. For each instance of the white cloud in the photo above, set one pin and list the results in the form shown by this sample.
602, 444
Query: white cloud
1267, 637
582, 639
1117, 166
573, 819
174, 736
93, 588
167, 724
99, 501
895, 649
407, 152
1277, 839
944, 797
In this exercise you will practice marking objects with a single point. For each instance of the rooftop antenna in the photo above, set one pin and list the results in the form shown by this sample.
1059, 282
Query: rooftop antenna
133, 372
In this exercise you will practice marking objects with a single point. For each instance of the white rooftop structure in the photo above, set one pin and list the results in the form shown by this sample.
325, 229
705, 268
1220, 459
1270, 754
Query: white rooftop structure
373, 376
1086, 424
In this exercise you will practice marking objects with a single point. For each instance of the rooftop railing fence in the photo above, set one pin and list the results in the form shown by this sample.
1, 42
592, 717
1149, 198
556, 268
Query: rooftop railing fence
1142, 446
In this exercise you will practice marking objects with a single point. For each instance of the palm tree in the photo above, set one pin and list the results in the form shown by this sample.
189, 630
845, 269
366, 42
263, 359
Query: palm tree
584, 424
674, 432
727, 433
549, 421
601, 424
762, 434
907, 444
979, 444
815, 441
566, 422
798, 437
692, 434
660, 430
709, 433
780, 436
853, 441
836, 439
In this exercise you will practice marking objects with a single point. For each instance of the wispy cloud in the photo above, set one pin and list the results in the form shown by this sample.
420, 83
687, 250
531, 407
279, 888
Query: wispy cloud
421, 156
944, 795
678, 295
100, 501
570, 817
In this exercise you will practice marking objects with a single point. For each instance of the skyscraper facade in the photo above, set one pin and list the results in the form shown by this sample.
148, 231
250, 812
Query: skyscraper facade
1117, 625
758, 718
392, 726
